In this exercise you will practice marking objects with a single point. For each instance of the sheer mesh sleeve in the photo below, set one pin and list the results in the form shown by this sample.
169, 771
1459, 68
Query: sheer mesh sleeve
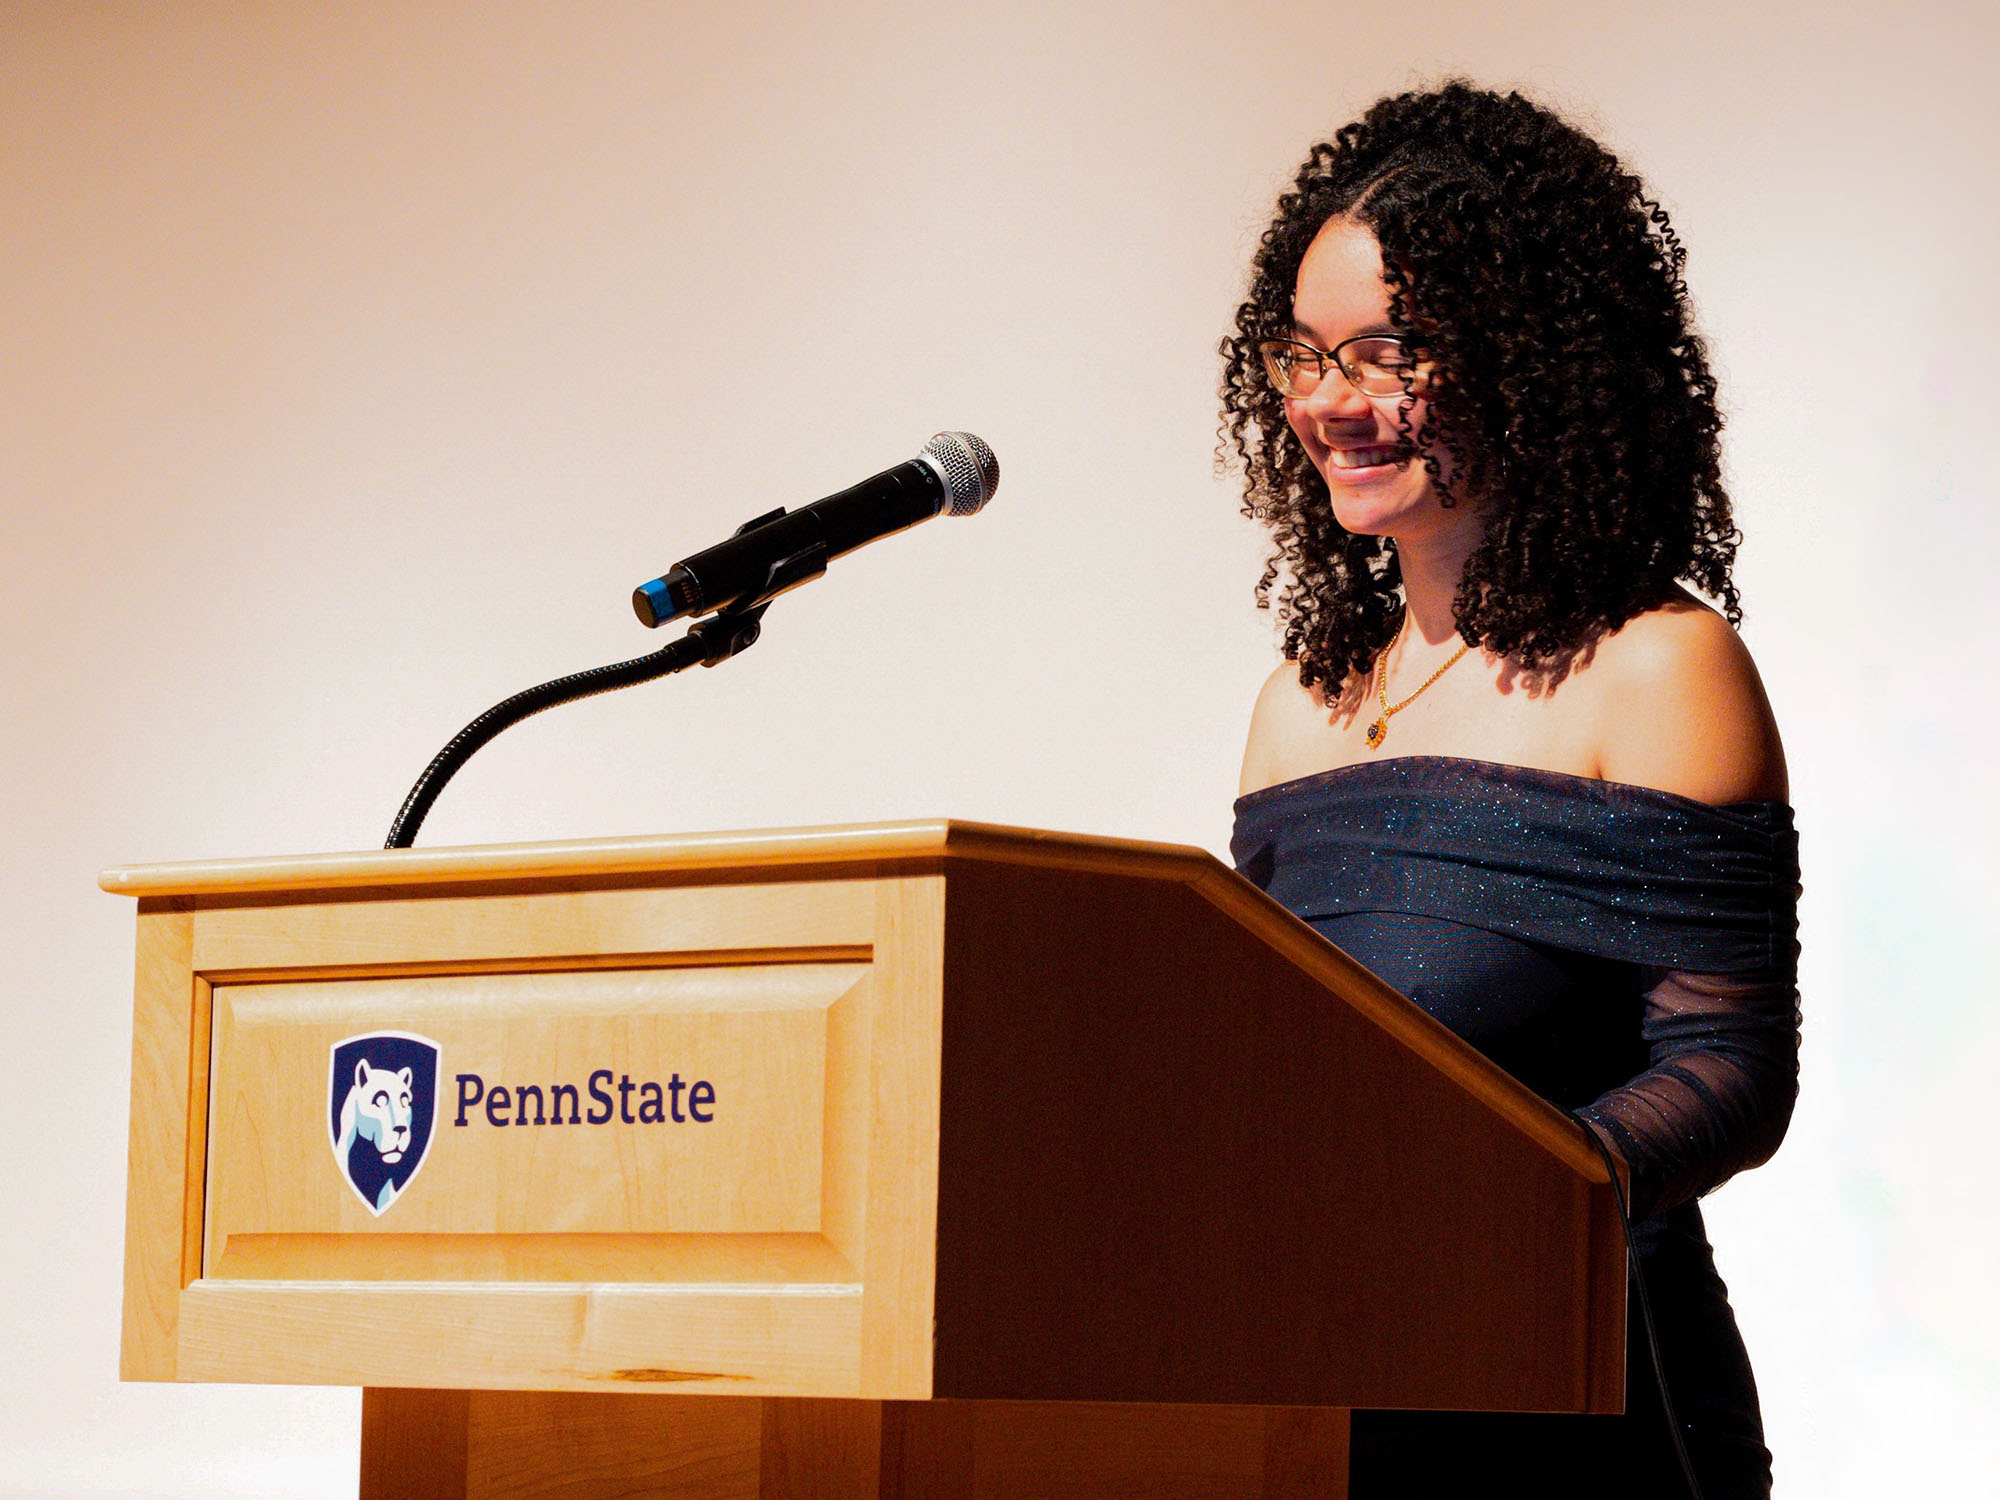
1718, 1093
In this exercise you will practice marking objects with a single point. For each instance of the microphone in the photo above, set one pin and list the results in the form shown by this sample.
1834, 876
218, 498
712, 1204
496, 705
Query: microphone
956, 475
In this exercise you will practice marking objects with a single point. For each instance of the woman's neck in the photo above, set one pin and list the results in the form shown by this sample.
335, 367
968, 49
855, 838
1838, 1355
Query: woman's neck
1431, 567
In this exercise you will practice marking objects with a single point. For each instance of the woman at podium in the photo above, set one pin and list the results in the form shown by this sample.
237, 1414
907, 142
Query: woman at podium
1512, 762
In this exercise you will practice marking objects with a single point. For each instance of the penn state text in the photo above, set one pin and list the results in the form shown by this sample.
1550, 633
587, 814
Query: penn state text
657, 1104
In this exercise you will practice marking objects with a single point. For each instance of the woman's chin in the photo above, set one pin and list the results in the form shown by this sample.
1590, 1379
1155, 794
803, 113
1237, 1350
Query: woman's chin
1382, 509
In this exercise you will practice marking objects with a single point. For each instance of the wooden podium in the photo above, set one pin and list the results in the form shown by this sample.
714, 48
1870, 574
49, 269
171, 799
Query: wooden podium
923, 1159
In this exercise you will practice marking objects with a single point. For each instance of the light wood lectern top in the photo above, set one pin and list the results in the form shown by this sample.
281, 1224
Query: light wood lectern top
858, 1161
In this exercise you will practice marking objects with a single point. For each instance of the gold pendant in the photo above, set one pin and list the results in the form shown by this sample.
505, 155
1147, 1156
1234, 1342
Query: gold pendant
1377, 732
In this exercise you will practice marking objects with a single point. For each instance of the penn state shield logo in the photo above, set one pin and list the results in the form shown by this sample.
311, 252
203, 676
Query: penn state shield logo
382, 1102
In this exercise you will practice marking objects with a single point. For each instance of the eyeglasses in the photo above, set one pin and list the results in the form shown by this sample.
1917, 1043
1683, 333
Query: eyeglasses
1374, 364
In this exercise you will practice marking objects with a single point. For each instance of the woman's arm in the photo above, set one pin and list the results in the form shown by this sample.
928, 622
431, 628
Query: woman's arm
1681, 708
1718, 1093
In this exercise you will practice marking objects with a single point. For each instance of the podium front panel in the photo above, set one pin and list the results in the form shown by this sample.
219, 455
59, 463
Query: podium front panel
368, 1128
601, 1138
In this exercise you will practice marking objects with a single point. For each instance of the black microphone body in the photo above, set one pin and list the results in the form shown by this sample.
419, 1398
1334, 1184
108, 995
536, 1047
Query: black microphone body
956, 473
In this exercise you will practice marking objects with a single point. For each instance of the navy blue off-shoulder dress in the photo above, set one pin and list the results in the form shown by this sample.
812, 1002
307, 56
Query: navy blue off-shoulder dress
1630, 955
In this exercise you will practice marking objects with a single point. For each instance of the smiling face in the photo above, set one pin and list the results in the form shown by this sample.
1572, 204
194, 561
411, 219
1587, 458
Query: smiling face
1378, 484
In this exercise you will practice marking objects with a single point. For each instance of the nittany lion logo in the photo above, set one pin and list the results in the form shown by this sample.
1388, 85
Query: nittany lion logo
382, 1102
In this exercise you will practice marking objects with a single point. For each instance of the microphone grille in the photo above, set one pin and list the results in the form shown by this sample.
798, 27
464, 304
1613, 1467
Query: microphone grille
968, 468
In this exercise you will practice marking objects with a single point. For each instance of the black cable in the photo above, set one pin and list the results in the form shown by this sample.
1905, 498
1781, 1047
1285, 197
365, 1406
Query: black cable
712, 640
1646, 1314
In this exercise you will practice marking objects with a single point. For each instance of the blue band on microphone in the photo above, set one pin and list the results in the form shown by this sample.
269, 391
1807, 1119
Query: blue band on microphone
658, 603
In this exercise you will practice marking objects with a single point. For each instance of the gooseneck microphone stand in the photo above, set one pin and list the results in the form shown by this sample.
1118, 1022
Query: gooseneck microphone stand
708, 643
954, 475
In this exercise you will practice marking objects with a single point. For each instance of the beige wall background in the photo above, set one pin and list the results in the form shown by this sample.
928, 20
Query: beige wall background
357, 360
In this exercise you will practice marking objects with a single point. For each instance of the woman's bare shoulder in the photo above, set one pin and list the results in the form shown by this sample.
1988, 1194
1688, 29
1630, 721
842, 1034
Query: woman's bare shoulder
1288, 729
1678, 705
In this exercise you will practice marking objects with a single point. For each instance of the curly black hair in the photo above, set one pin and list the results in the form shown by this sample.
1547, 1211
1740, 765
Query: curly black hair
1575, 399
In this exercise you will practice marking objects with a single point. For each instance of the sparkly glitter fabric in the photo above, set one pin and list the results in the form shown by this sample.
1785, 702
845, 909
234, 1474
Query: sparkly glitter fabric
1627, 953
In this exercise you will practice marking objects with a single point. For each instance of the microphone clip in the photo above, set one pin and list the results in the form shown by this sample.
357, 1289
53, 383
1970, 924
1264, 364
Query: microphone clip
735, 627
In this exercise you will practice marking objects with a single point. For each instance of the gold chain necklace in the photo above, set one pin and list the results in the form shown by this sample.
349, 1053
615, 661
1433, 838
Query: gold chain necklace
1379, 730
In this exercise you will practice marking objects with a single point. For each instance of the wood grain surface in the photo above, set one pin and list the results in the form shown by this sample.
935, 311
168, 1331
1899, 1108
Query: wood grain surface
495, 1445
169, 1105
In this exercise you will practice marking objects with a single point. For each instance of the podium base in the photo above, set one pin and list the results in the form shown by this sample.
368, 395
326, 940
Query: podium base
526, 1445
